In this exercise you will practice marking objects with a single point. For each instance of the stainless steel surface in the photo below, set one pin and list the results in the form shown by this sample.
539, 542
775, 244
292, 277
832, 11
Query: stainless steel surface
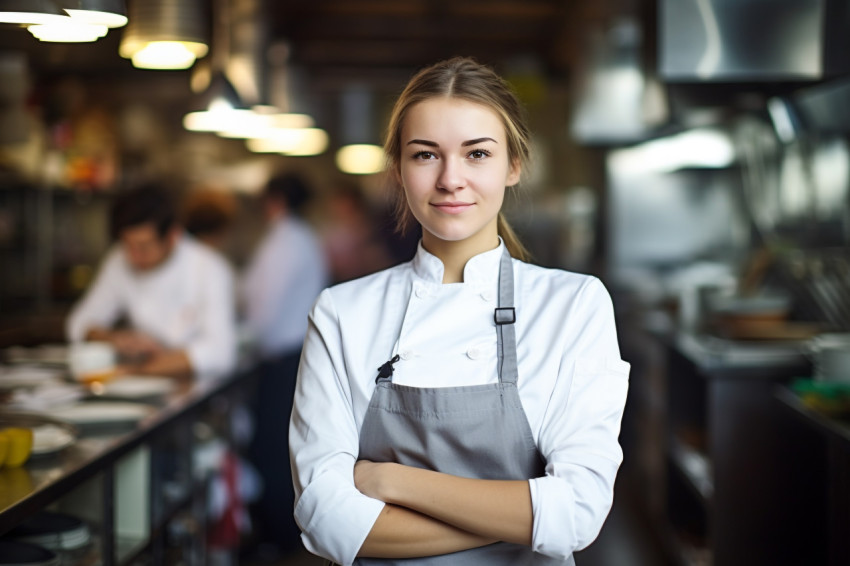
744, 40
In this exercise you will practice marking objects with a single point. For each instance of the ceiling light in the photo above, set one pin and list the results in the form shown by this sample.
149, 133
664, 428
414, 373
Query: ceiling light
30, 12
167, 55
68, 31
109, 13
360, 155
360, 159
260, 122
291, 141
220, 108
164, 34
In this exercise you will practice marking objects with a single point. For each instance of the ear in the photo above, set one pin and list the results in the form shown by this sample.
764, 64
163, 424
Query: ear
513, 174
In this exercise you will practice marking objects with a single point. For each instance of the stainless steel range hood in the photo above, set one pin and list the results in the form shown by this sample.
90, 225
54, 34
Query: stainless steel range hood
753, 40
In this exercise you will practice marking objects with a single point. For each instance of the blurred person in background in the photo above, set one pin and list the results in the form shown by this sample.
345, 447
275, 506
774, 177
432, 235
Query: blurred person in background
208, 215
353, 244
174, 296
284, 276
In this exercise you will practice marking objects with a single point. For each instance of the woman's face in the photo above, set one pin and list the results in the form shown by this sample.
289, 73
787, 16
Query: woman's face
454, 168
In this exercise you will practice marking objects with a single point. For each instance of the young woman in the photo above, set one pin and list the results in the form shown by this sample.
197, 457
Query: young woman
462, 408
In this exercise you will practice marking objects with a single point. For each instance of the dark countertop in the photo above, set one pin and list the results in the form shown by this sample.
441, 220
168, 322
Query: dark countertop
836, 429
42, 480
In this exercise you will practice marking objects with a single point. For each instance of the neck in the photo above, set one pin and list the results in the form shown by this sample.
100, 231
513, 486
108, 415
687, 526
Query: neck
455, 255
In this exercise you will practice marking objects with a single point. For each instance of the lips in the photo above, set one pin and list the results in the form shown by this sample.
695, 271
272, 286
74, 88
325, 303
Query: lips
452, 207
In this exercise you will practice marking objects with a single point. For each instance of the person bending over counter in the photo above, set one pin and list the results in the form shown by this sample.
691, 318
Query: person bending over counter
174, 295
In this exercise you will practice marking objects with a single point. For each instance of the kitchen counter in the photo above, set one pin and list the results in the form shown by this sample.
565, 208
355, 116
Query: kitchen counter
97, 454
719, 357
832, 466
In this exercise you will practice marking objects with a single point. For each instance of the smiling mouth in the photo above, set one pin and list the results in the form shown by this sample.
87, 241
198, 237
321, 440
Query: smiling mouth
452, 207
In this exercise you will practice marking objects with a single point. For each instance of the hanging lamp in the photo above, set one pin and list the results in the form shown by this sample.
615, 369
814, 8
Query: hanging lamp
65, 20
68, 31
109, 13
218, 107
30, 12
360, 154
164, 34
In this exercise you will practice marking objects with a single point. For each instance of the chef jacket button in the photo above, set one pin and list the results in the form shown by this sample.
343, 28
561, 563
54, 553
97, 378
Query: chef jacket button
473, 353
421, 292
406, 354
487, 296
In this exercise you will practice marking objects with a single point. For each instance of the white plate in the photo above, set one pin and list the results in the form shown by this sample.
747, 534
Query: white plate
27, 376
138, 387
102, 413
49, 439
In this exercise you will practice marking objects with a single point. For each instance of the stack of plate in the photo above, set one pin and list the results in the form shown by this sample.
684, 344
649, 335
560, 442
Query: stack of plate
138, 388
91, 416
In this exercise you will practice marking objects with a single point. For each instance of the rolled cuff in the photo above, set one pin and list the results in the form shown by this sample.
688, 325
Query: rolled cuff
564, 523
335, 518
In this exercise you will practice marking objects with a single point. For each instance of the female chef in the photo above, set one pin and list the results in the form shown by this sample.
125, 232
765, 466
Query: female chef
464, 407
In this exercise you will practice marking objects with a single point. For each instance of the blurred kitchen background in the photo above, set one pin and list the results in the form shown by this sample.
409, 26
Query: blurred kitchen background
691, 153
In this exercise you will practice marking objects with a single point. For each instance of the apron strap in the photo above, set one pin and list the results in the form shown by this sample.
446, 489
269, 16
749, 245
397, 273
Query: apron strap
505, 317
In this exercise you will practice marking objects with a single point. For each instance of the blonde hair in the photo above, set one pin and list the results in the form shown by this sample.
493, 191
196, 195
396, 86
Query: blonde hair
466, 79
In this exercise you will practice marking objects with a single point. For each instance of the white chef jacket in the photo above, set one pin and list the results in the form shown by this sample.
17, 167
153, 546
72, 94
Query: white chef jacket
572, 385
185, 303
281, 283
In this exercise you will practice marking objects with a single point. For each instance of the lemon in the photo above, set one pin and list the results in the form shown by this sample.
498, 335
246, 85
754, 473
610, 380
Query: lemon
4, 446
20, 446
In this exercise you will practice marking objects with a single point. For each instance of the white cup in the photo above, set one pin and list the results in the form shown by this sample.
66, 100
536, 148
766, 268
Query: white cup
831, 354
87, 359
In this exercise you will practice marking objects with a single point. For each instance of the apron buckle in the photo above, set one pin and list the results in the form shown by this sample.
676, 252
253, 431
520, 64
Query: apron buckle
504, 315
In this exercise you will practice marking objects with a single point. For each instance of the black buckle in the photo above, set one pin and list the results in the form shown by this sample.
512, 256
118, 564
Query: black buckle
504, 315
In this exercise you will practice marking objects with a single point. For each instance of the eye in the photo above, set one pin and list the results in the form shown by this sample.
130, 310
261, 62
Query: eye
478, 154
424, 155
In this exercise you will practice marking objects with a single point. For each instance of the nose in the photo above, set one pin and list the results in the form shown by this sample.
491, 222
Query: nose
451, 175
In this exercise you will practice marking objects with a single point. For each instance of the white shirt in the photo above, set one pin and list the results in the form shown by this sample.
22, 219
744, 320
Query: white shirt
281, 283
186, 303
572, 384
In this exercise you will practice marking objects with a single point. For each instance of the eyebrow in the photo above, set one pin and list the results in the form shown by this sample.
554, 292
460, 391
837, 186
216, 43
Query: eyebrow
463, 144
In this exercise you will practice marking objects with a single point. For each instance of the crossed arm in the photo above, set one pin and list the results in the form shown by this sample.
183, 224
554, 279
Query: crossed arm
430, 513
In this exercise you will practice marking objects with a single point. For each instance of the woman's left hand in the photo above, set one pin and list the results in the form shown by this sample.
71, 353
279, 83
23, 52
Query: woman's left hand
372, 478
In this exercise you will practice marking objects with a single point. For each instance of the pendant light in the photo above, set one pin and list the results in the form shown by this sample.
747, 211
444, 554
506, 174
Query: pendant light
218, 107
65, 20
30, 12
109, 13
360, 155
68, 31
164, 34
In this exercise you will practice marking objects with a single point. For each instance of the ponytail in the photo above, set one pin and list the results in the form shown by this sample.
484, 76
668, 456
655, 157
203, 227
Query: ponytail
515, 247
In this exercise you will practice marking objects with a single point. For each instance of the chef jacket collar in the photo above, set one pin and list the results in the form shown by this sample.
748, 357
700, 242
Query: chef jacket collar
481, 270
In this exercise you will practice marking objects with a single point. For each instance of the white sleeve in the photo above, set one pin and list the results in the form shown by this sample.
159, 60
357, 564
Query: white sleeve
102, 303
213, 352
334, 516
579, 437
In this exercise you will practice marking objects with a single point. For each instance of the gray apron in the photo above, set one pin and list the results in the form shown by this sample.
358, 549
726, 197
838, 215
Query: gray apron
477, 431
